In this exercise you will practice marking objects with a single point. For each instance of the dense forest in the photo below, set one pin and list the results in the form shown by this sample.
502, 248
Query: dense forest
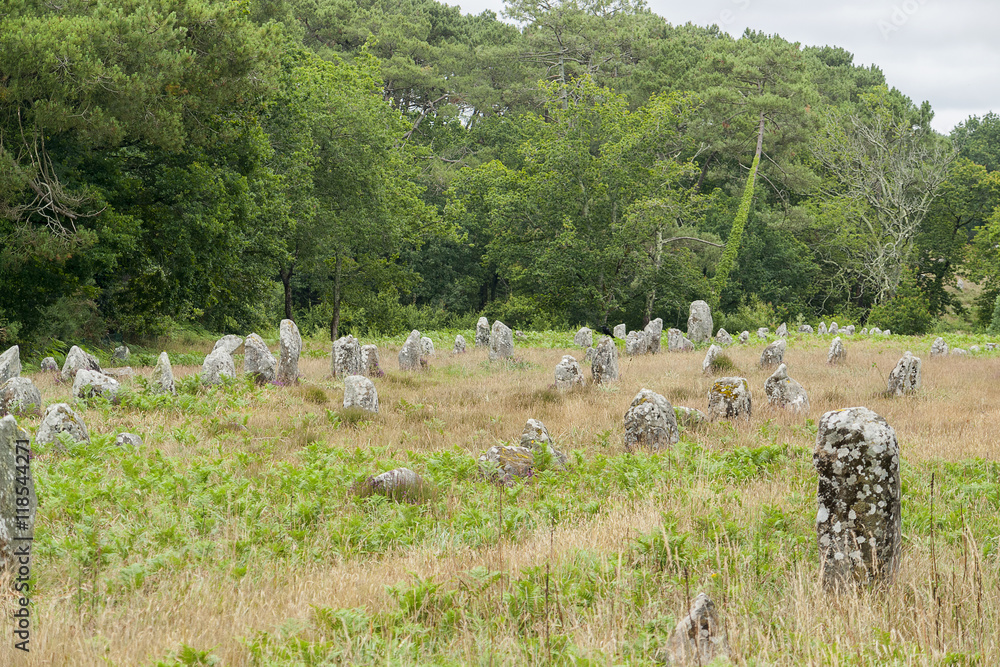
370, 166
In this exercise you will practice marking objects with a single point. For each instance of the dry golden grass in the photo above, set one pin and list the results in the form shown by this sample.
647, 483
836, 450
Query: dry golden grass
463, 401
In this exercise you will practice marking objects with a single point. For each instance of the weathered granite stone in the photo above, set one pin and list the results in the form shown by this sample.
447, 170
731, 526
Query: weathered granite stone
689, 418
848, 330
939, 347
698, 639
773, 354
89, 384
991, 347
588, 356
674, 338
19, 396
130, 439
289, 351
10, 364
700, 324
230, 343
400, 484
569, 374
483, 332
503, 464
709, 362
887, 332
958, 351
723, 338
834, 329
60, 418
370, 366
650, 423
345, 358
805, 328
975, 349
620, 331
162, 380
730, 398
536, 437
604, 368
822, 329
654, 332
584, 338
744, 337
120, 373
459, 345
875, 331
360, 392
121, 353
77, 359
217, 365
49, 364
501, 342
426, 347
858, 524
762, 332
785, 392
685, 345
258, 360
837, 353
520, 335
18, 502
905, 377
782, 331
637, 342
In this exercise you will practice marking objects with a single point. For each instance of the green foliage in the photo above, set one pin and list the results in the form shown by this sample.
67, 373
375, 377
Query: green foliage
907, 313
994, 327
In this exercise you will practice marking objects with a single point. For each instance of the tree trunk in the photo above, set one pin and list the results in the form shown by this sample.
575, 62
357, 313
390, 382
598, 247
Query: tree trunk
335, 321
286, 280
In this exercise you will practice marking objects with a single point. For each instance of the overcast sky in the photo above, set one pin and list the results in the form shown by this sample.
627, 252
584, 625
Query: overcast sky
943, 51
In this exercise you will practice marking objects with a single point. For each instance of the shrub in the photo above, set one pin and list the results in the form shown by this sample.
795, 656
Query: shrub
908, 313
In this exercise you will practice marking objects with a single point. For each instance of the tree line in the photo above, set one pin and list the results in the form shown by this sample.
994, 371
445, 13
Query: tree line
373, 166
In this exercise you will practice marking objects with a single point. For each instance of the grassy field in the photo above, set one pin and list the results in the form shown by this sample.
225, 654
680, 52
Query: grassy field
232, 536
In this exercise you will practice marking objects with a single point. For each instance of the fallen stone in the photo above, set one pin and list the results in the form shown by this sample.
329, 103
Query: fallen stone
837, 353
120, 373
875, 331
569, 374
217, 365
483, 332
289, 351
730, 398
520, 335
905, 377
773, 354
975, 349
258, 360
130, 439
604, 368
698, 638
501, 342
654, 332
90, 384
345, 358
61, 418
650, 423
785, 392
584, 338
77, 359
360, 392
162, 380
700, 324
20, 397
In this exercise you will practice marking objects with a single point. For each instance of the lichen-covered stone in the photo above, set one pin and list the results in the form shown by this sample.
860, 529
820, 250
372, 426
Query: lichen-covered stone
360, 392
503, 464
837, 353
230, 343
887, 332
18, 502
785, 392
782, 331
10, 364
685, 345
501, 342
61, 418
289, 351
707, 365
345, 357
744, 337
90, 384
848, 330
588, 356
120, 373
76, 360
258, 360
805, 328
723, 338
400, 484
217, 365
569, 374
459, 347
974, 349
774, 354
536, 437
162, 380
370, 365
674, 339
939, 348
762, 332
19, 396
426, 347
834, 329
636, 343
483, 332
730, 398
604, 367
650, 423
584, 338
128, 439
822, 329
121, 353
689, 418
905, 377
698, 639
858, 524
654, 334
957, 351
49, 364
620, 331
874, 331
700, 324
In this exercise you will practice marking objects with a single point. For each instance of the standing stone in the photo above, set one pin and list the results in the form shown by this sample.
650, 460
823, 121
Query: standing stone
520, 335
887, 332
370, 362
848, 330
162, 381
230, 343
723, 338
345, 358
620, 331
10, 364
501, 342
604, 368
121, 353
650, 423
503, 464
360, 392
19, 396
654, 332
536, 438
730, 398
426, 347
785, 392
289, 351
698, 638
459, 345
130, 439
568, 374
762, 333
409, 354
744, 337
49, 364
974, 349
218, 364
700, 325
939, 347
483, 332
713, 352
773, 354
864, 332
834, 329
837, 353
584, 338
874, 331
258, 360
60, 418
77, 359
805, 328
17, 506
822, 329
674, 338
637, 342
689, 417
686, 345
89, 384
905, 377
958, 352
588, 356
858, 524
782, 331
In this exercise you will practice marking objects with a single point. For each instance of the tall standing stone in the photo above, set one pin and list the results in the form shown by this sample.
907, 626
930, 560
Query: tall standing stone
584, 338
345, 358
77, 359
837, 353
409, 354
858, 524
289, 351
620, 331
18, 502
10, 364
370, 366
360, 392
636, 343
19, 396
426, 347
217, 365
162, 381
785, 392
939, 348
773, 354
650, 423
730, 398
654, 332
258, 360
700, 325
459, 345
905, 377
60, 418
709, 362
483, 332
568, 374
501, 342
604, 367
